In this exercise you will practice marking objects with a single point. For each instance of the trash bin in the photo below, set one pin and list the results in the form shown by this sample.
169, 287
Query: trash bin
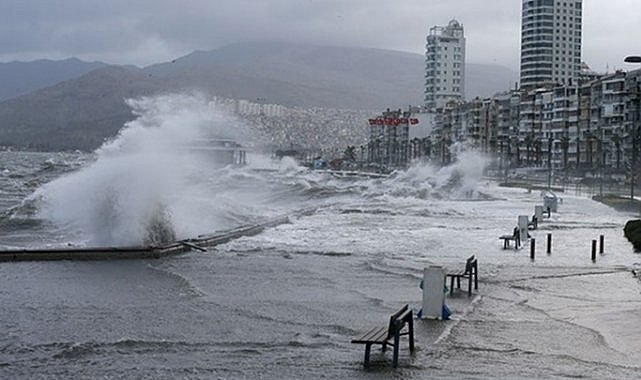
523, 222
433, 295
538, 212
550, 202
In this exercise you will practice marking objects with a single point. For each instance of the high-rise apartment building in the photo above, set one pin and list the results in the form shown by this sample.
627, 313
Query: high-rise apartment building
444, 65
551, 32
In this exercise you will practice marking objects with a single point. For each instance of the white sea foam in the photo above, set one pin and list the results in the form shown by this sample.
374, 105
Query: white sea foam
144, 186
424, 180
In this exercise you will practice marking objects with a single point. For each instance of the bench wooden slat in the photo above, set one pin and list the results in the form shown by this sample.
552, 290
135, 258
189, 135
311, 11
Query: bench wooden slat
405, 315
398, 313
375, 335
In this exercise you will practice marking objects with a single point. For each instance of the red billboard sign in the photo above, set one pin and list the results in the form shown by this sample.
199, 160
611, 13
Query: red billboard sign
393, 121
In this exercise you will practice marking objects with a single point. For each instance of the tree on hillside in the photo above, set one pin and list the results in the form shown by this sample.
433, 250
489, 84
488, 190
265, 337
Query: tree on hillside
616, 139
350, 153
529, 141
565, 146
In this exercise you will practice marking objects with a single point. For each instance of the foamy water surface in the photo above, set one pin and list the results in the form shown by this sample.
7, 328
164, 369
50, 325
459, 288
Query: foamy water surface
285, 303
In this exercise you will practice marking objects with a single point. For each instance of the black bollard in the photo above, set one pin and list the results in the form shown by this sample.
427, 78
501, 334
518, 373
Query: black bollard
594, 251
549, 244
602, 244
532, 248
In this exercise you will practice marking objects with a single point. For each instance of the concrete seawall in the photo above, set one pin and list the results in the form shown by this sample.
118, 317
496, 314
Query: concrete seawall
146, 252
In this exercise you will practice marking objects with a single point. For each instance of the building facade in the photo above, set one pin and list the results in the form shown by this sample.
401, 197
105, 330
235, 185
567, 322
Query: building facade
589, 128
444, 65
389, 144
551, 35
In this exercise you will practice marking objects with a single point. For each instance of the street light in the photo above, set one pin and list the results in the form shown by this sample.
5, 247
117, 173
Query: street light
550, 140
635, 133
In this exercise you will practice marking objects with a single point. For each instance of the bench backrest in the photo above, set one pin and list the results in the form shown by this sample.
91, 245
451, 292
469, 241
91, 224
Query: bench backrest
471, 265
397, 320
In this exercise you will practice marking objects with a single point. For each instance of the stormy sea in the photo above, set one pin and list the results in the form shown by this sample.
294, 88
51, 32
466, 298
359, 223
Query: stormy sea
285, 304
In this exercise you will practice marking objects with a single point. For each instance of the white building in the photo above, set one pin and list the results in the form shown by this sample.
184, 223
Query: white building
551, 33
444, 65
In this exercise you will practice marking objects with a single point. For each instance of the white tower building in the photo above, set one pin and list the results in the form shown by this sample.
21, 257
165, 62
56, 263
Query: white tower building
551, 33
444, 65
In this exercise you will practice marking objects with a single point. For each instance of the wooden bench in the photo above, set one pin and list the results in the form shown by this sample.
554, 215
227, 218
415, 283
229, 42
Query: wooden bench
471, 271
507, 239
385, 335
516, 236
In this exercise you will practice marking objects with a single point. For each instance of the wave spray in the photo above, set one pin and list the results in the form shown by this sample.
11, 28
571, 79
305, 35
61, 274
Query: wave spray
145, 187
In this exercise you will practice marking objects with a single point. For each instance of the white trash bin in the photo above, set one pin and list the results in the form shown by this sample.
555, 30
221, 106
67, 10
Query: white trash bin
433, 295
523, 223
538, 212
551, 202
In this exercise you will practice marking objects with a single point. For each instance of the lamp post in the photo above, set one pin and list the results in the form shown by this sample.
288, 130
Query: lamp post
635, 132
635, 137
550, 140
601, 157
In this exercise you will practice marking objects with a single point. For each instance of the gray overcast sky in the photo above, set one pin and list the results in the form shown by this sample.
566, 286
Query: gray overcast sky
142, 32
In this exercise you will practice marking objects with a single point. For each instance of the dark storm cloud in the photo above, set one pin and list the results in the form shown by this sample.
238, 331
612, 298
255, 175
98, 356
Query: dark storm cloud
69, 27
148, 31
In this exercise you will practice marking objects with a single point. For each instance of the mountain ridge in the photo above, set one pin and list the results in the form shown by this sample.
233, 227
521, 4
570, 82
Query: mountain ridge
80, 113
20, 78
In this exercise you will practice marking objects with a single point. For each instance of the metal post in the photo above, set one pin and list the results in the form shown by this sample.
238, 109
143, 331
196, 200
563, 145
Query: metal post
602, 244
549, 244
594, 251
532, 248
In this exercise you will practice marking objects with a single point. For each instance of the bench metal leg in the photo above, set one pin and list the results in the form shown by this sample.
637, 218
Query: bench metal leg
384, 347
476, 279
469, 286
452, 286
397, 339
410, 329
368, 346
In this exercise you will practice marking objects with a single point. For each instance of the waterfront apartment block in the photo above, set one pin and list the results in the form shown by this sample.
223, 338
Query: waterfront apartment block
551, 35
584, 128
444, 65
389, 139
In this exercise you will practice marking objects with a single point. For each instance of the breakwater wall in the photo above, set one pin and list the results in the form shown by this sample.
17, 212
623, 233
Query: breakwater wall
147, 252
